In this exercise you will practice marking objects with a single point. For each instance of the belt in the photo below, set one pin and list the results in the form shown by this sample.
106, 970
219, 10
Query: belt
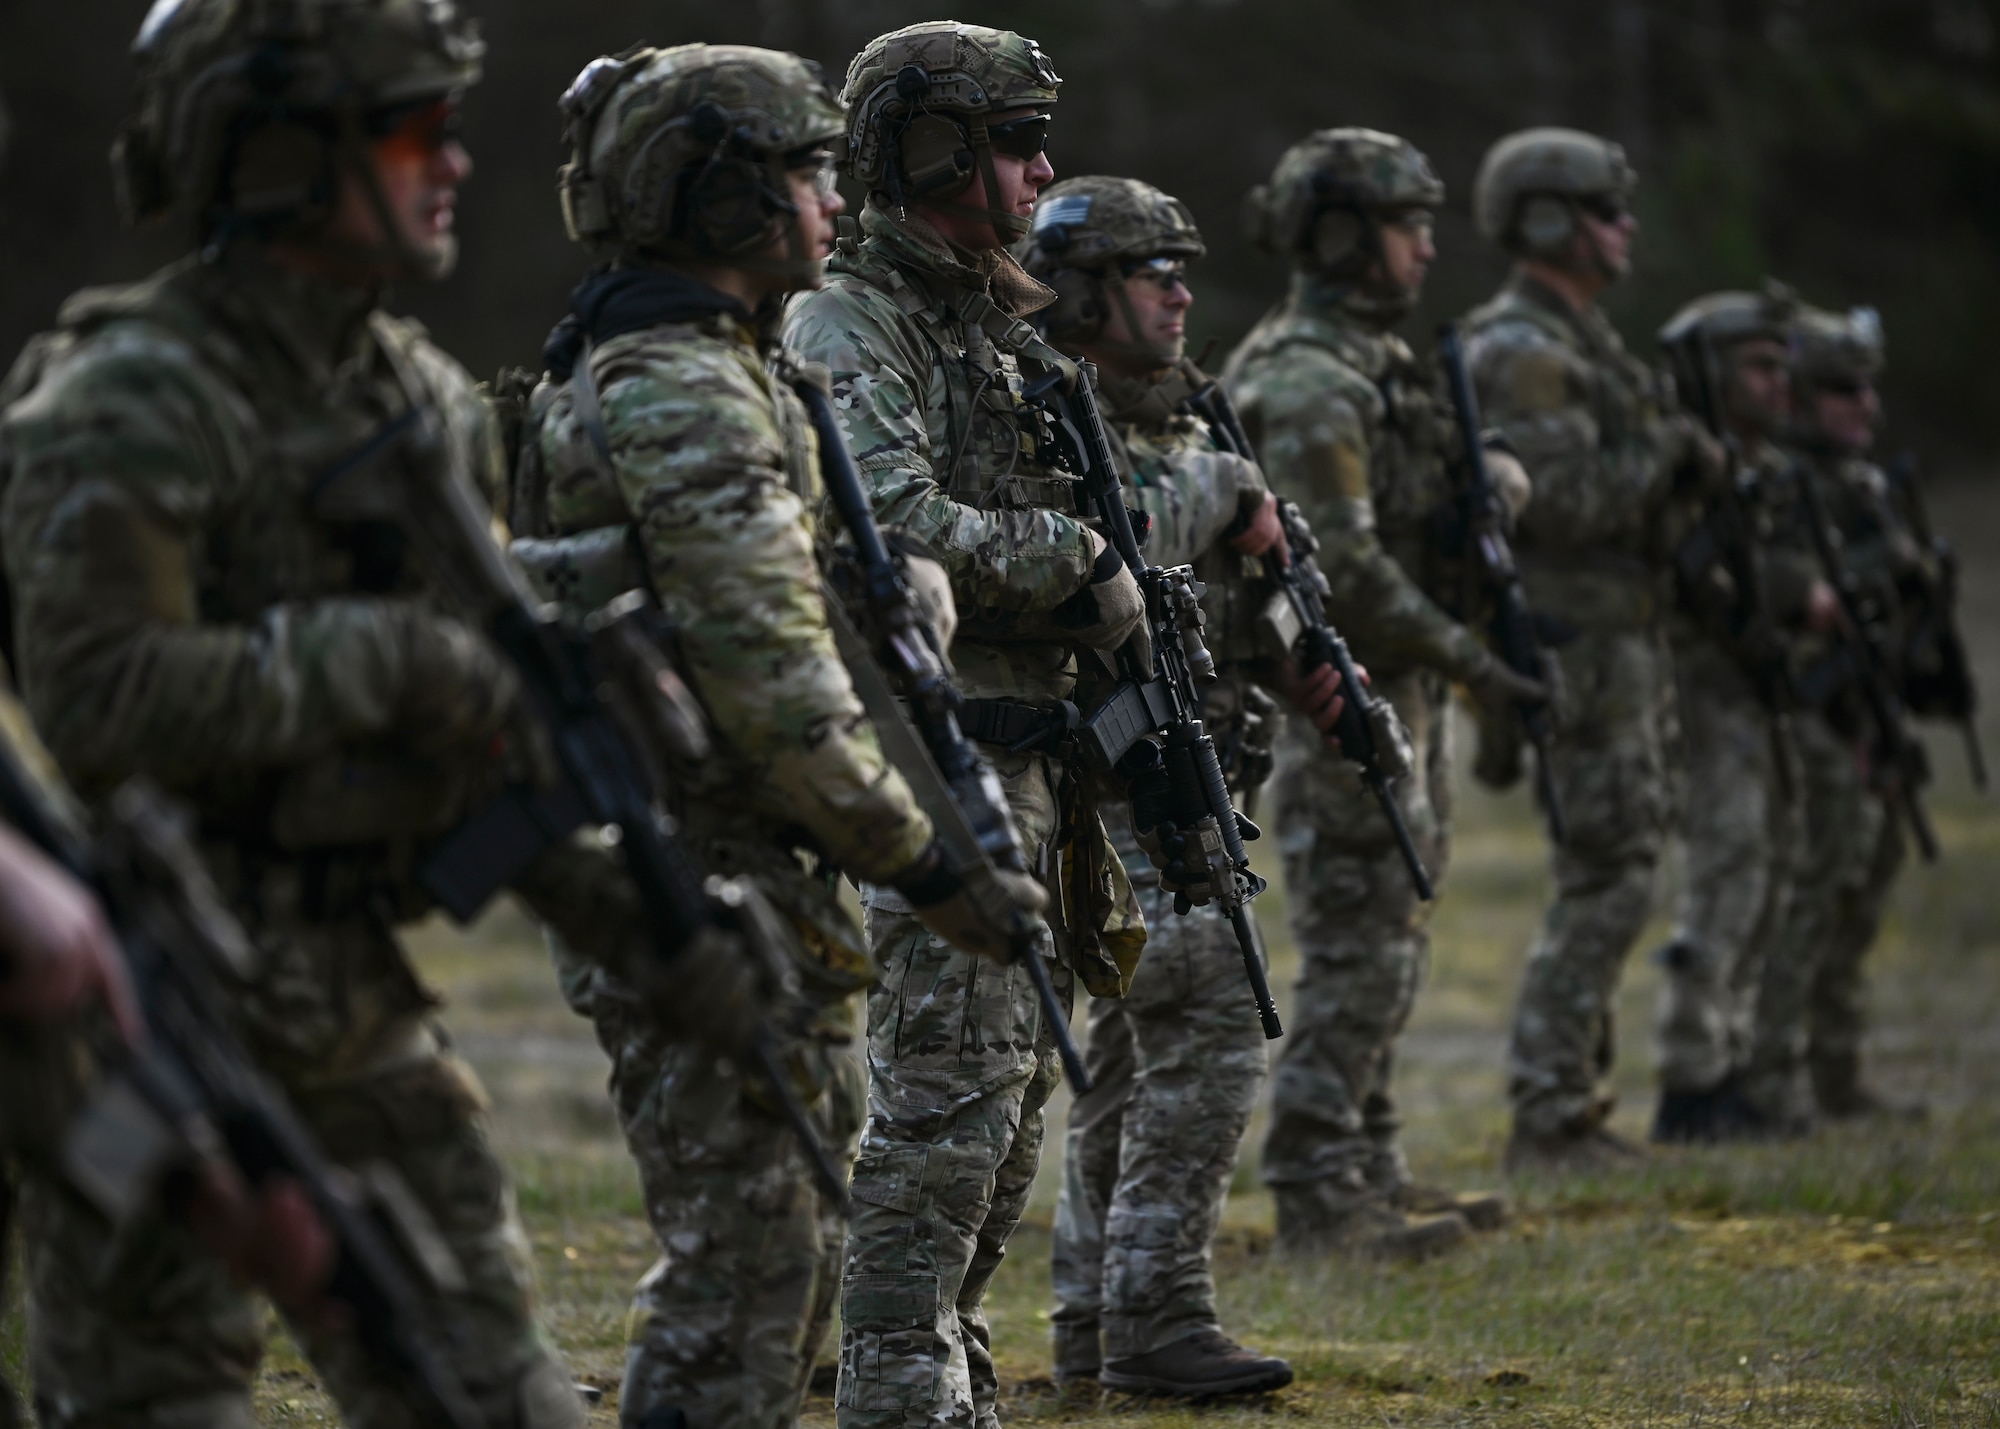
1016, 724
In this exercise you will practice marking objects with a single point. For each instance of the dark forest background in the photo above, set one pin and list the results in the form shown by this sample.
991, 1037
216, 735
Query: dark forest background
1851, 147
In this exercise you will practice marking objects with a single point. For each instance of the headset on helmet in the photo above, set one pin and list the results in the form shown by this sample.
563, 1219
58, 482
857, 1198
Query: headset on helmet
1084, 230
1529, 185
684, 152
247, 113
918, 105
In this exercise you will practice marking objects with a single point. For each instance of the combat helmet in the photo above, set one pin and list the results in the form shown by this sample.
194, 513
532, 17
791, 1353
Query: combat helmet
1835, 350
1331, 193
1696, 340
920, 101
248, 110
683, 153
1090, 234
1530, 185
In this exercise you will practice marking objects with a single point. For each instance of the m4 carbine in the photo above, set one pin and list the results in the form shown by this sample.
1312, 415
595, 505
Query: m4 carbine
1511, 630
1938, 676
607, 707
1148, 731
1895, 749
189, 1093
1363, 726
971, 816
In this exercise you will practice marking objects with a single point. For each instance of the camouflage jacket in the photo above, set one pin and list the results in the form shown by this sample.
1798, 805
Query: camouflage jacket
198, 598
925, 356
1351, 426
715, 480
1584, 415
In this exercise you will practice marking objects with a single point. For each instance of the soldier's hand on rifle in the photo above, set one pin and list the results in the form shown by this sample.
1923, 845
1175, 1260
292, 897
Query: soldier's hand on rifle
1510, 480
1262, 531
455, 690
269, 1238
986, 912
1692, 449
1823, 612
1496, 684
1111, 609
1316, 695
57, 954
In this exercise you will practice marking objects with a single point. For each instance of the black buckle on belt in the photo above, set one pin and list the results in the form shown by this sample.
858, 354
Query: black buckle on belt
1018, 725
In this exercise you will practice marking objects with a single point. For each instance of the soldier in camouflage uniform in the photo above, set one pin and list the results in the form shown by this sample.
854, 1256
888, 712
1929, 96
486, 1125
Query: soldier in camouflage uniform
921, 326
1739, 820
1351, 425
1584, 416
668, 450
1176, 1063
1805, 1054
210, 591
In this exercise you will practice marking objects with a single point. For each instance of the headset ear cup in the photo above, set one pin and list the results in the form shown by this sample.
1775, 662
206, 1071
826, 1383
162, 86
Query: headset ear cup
1545, 226
936, 156
1336, 237
727, 207
282, 168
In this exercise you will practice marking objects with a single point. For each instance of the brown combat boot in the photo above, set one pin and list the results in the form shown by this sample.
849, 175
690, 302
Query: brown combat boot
1482, 1210
1590, 1152
1205, 1364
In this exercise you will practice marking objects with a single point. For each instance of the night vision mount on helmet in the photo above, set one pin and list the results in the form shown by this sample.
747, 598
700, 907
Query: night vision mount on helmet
249, 110
920, 108
684, 153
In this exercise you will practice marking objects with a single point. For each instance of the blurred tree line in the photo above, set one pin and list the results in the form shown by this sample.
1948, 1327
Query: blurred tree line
1850, 147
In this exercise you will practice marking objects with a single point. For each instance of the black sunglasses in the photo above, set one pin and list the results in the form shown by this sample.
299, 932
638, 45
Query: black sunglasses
1021, 138
1603, 207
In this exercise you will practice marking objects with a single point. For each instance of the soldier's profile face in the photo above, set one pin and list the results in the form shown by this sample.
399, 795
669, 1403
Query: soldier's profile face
1156, 300
1760, 389
1846, 413
1408, 251
818, 203
1611, 238
418, 164
1019, 178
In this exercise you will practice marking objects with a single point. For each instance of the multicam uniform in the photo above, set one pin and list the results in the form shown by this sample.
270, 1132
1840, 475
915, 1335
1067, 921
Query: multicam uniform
1352, 426
1177, 1062
197, 598
1805, 1053
708, 471
1584, 416
924, 344
1738, 817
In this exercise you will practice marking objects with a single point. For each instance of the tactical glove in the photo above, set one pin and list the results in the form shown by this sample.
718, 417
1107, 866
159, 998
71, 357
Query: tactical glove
987, 912
1109, 611
1499, 685
456, 691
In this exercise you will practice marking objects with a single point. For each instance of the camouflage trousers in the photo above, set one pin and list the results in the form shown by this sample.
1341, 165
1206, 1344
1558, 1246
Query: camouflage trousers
1610, 769
1364, 945
1739, 834
1809, 1000
144, 1331
723, 1329
1175, 1066
960, 1067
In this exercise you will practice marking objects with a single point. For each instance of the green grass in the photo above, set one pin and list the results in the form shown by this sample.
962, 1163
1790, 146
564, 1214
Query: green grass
1853, 1279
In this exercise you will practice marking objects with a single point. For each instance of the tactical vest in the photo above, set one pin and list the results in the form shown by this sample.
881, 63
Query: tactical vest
302, 515
1409, 479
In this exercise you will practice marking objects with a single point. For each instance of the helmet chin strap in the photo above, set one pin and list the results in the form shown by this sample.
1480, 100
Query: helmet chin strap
1155, 355
1006, 226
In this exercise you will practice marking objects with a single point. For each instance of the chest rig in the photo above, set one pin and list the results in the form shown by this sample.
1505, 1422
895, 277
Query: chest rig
992, 454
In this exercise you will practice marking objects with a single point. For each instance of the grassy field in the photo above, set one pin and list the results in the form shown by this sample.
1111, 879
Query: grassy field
1854, 1279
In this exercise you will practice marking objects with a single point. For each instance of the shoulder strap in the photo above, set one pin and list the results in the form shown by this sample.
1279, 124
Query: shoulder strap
589, 410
